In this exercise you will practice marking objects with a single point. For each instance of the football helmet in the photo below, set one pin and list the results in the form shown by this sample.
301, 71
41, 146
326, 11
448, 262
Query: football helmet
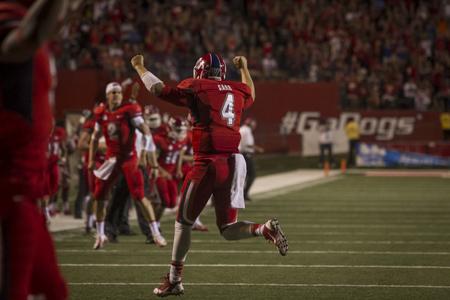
210, 66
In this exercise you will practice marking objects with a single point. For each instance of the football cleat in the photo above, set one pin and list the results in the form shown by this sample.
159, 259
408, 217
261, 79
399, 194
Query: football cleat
199, 227
169, 289
273, 233
100, 242
160, 241
149, 240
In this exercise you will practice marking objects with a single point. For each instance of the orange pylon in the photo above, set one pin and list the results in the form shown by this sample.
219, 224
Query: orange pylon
326, 168
343, 166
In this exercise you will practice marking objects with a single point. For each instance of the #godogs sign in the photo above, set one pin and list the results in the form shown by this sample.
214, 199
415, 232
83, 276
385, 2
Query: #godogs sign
374, 127
381, 128
289, 115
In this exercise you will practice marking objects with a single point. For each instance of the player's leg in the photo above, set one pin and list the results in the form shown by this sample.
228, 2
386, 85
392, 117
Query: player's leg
251, 175
226, 216
116, 208
89, 200
101, 189
65, 185
142, 223
18, 242
162, 193
44, 201
163, 190
53, 185
172, 186
46, 278
196, 190
135, 183
157, 204
81, 193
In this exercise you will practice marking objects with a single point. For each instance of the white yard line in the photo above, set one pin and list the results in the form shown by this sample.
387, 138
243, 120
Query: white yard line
332, 242
372, 226
374, 242
439, 253
335, 242
263, 266
265, 284
364, 233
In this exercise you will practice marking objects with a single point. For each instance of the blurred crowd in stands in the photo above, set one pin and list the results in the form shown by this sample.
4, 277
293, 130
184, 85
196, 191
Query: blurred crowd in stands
384, 54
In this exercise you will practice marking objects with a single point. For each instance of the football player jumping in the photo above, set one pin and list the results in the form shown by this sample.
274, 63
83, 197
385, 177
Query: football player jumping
117, 121
216, 106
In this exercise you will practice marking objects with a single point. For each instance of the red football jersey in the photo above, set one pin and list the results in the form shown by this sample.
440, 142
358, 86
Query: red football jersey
117, 129
216, 108
169, 152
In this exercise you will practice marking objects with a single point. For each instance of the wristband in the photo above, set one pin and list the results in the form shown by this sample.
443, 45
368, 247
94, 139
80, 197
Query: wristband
149, 79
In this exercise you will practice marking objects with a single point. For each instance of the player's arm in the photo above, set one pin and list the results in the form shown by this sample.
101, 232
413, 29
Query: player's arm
188, 158
241, 63
93, 146
40, 22
154, 85
179, 172
148, 145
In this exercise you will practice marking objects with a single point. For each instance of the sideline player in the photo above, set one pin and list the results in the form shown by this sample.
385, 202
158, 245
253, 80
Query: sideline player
117, 121
170, 148
216, 106
83, 145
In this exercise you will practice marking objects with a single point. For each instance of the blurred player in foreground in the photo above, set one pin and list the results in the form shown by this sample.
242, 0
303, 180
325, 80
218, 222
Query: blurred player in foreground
216, 107
28, 263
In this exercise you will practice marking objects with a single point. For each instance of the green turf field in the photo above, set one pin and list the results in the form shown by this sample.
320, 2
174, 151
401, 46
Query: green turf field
353, 238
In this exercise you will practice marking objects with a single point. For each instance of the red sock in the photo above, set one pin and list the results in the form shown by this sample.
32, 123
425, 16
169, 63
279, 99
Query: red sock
256, 229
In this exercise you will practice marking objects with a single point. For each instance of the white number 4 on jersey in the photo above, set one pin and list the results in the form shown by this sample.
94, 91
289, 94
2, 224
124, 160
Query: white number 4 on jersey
227, 111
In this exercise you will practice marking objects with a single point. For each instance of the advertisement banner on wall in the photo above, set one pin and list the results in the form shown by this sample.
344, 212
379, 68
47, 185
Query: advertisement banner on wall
375, 127
288, 113
371, 155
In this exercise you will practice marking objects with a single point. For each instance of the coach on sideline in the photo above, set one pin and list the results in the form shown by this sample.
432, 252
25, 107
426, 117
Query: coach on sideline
248, 148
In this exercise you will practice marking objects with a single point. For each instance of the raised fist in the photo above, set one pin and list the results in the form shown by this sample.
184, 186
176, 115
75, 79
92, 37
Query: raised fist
240, 62
137, 61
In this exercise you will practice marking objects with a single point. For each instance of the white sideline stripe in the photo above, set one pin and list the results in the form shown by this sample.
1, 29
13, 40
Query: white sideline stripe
293, 187
264, 266
266, 284
266, 252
